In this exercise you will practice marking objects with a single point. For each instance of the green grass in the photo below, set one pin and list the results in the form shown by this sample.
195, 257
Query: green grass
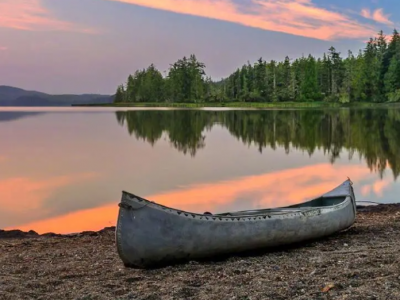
240, 104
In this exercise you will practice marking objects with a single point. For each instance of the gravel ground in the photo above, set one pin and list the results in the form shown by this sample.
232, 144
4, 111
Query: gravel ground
360, 263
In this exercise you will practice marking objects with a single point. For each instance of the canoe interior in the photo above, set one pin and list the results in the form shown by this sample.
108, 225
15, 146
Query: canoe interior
318, 202
321, 202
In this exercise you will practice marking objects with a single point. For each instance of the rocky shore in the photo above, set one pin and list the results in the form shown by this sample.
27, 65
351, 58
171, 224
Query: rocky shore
362, 262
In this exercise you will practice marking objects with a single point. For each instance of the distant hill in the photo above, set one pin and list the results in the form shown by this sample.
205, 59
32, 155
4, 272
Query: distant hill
12, 96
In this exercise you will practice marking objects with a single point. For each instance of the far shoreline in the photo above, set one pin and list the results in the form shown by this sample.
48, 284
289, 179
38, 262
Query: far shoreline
278, 105
20, 234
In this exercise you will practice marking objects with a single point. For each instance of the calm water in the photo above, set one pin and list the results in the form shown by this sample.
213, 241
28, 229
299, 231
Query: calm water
63, 169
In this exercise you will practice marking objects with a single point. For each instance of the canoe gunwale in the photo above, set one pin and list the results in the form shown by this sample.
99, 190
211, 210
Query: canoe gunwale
133, 202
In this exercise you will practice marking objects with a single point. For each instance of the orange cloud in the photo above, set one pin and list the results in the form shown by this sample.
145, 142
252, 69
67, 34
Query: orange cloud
377, 187
365, 190
84, 220
33, 192
377, 16
298, 17
260, 191
32, 15
268, 190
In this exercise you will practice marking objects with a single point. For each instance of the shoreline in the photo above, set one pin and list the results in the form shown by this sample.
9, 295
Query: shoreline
244, 104
19, 234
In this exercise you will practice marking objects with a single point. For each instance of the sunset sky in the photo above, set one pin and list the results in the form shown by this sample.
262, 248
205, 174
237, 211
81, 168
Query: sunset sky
90, 46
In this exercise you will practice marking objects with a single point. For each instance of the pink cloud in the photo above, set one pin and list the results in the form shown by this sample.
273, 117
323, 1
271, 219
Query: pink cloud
32, 15
305, 183
35, 191
378, 187
269, 190
377, 16
366, 190
2, 48
298, 17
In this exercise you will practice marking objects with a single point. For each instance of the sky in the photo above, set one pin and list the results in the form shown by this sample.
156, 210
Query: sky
91, 46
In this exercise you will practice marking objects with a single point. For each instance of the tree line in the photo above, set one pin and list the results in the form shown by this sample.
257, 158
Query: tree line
371, 134
372, 75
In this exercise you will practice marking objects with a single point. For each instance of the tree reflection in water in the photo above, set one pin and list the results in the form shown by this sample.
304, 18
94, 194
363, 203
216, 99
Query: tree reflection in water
372, 134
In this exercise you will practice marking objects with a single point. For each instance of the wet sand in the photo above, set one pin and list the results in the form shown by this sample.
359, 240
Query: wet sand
362, 262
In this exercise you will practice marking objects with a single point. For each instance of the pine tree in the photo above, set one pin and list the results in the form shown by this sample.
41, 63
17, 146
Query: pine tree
392, 77
119, 95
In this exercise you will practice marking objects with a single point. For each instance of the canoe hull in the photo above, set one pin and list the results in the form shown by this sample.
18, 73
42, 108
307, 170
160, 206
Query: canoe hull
149, 234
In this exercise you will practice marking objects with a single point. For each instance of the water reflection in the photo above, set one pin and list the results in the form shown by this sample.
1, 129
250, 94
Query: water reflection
63, 170
259, 191
374, 134
12, 116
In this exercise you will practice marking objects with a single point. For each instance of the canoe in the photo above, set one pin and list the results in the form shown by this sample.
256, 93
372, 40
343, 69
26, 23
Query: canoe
152, 235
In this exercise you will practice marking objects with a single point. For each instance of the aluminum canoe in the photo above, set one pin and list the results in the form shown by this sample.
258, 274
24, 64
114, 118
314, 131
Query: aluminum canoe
150, 235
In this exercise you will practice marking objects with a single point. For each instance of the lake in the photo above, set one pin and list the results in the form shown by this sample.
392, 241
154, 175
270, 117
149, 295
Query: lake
63, 169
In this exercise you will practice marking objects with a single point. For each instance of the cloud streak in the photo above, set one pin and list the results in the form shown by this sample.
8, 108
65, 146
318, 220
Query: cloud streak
34, 191
378, 187
263, 191
297, 17
377, 16
33, 16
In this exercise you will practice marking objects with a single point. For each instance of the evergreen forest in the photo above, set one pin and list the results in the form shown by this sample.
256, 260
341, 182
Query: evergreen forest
371, 75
